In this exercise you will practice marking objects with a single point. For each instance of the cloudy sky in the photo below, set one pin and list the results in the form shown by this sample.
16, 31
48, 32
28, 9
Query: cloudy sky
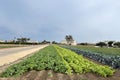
85, 20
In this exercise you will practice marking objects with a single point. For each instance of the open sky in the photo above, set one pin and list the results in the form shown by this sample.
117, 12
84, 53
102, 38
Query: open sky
85, 20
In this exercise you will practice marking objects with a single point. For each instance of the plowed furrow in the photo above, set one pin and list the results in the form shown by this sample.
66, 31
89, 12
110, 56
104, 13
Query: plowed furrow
30, 76
41, 75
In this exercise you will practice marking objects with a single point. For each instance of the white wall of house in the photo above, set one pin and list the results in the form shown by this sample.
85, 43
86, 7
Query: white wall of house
65, 42
74, 43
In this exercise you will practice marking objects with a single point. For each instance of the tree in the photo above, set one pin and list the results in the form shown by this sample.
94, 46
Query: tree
54, 42
117, 44
101, 44
45, 42
23, 40
110, 43
69, 39
83, 43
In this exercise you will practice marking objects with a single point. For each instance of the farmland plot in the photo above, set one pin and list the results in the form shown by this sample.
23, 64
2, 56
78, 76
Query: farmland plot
102, 55
2, 46
60, 61
103, 50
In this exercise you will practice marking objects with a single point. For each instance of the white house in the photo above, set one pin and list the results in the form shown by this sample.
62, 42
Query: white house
65, 42
74, 43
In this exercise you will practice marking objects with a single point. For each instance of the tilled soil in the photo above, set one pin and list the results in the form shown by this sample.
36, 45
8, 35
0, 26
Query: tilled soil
51, 75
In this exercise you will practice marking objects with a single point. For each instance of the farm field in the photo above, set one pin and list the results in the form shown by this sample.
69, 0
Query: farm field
56, 63
103, 50
107, 56
2, 46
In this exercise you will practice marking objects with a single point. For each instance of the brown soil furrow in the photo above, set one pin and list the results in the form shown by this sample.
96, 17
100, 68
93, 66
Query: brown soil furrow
6, 79
73, 77
66, 77
30, 76
50, 75
41, 75
60, 76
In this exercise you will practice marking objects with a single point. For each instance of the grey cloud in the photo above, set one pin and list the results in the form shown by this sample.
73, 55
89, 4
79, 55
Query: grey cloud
86, 20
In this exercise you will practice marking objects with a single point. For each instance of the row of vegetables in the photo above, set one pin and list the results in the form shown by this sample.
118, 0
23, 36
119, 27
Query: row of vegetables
46, 58
57, 59
78, 64
107, 59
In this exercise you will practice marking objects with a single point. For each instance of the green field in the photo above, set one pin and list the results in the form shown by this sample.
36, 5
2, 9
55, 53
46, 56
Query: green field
106, 56
59, 60
103, 50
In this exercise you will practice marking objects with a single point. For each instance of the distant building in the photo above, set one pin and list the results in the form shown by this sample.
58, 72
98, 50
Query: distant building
74, 43
32, 41
10, 41
2, 41
65, 42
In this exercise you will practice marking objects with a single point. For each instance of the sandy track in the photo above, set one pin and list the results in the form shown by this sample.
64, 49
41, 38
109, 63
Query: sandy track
13, 54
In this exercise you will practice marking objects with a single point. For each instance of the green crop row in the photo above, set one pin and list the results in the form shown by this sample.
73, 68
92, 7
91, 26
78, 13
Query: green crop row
45, 59
78, 64
104, 58
59, 60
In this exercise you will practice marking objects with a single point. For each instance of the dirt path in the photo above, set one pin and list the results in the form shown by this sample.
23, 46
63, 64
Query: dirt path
12, 54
